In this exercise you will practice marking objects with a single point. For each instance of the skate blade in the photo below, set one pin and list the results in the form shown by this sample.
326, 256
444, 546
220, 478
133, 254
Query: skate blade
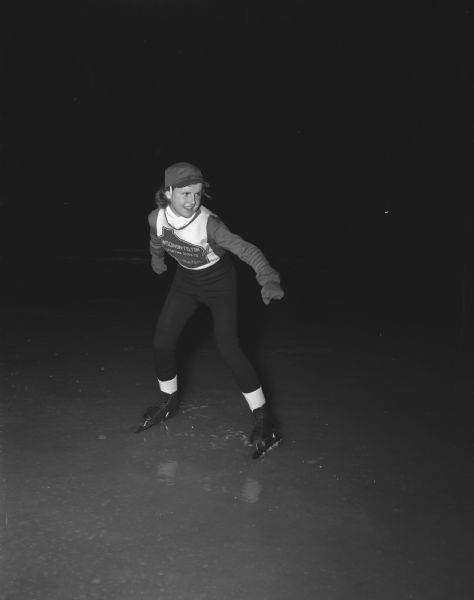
144, 426
141, 428
150, 421
264, 447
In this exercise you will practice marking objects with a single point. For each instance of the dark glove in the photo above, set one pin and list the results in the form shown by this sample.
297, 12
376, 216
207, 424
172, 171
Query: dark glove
158, 265
272, 291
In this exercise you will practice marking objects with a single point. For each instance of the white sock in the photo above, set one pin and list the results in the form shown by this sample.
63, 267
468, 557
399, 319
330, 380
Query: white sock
170, 386
255, 399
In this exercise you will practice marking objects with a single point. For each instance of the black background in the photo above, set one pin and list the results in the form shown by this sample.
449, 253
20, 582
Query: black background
335, 134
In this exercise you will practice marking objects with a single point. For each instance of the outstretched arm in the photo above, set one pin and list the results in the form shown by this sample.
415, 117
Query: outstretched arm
266, 275
156, 249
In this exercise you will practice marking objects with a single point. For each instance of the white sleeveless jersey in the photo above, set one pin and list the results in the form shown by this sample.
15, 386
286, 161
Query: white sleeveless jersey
187, 244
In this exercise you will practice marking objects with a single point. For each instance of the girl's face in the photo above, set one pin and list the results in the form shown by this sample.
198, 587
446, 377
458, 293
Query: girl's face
185, 201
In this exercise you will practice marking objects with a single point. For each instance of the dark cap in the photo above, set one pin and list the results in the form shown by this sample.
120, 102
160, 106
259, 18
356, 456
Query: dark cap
182, 174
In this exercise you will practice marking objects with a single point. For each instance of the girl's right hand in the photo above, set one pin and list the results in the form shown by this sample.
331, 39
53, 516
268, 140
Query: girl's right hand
158, 266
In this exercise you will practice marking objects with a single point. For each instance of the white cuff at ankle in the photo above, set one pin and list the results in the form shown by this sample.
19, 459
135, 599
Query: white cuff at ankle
255, 399
170, 386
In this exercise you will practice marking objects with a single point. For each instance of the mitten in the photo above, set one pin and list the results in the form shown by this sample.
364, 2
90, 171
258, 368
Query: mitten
272, 291
158, 265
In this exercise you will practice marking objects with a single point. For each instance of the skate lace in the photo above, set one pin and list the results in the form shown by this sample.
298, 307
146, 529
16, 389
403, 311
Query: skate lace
261, 416
166, 400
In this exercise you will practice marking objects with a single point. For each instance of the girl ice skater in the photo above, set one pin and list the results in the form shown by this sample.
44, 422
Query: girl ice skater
198, 240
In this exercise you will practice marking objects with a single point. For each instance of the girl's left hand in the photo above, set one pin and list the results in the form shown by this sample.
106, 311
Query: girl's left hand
272, 291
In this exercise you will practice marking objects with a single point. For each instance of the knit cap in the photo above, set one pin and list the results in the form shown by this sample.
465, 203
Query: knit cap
182, 174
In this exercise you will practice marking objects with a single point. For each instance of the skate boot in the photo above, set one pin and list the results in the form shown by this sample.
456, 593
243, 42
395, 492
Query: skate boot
165, 409
264, 435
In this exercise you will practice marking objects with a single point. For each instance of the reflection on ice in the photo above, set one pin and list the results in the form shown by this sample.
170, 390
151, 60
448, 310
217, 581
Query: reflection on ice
250, 491
166, 471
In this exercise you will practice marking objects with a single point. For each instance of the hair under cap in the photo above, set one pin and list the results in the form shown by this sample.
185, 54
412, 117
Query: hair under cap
182, 174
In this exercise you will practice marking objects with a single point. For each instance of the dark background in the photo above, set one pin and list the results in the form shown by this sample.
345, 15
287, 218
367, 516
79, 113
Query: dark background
337, 136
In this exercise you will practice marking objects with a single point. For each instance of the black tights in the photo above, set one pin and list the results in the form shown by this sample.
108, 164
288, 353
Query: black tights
216, 288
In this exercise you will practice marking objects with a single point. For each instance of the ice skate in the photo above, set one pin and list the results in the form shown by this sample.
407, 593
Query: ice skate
160, 412
264, 436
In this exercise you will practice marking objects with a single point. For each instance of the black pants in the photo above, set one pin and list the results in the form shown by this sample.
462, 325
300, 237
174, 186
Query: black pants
216, 287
